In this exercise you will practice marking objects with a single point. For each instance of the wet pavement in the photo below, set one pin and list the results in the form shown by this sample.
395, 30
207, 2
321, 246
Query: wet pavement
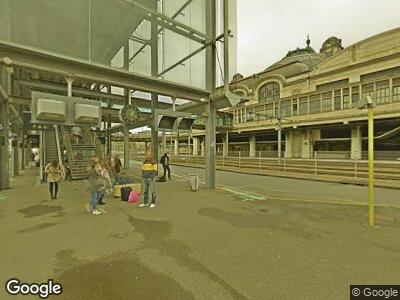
218, 244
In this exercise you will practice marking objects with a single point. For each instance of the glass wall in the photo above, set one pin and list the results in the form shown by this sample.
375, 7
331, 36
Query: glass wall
114, 33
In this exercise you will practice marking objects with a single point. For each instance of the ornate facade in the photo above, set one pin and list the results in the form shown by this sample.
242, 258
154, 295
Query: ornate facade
316, 95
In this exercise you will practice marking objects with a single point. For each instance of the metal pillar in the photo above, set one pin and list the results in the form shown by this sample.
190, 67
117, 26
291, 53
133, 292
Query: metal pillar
226, 45
195, 146
225, 144
15, 145
356, 143
279, 143
176, 149
371, 196
5, 85
23, 152
189, 145
252, 146
108, 143
128, 94
126, 136
279, 129
210, 109
164, 142
154, 72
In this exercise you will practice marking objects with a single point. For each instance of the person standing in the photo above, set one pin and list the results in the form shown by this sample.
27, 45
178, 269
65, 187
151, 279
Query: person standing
117, 164
53, 172
103, 170
149, 172
165, 163
96, 185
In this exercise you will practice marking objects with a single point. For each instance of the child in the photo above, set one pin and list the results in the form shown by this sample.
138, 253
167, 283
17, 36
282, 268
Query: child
53, 172
149, 172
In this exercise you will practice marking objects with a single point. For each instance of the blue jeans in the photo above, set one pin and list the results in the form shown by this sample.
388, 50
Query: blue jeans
94, 199
148, 187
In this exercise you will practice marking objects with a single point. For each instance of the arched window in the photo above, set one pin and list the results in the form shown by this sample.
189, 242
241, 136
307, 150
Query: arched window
269, 92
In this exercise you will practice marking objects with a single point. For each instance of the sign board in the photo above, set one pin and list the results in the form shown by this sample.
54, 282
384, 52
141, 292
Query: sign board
55, 109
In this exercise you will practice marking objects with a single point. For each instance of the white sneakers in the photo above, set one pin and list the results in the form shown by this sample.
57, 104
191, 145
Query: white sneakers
145, 205
96, 212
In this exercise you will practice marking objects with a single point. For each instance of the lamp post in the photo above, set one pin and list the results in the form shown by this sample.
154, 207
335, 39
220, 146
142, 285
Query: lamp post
369, 104
279, 128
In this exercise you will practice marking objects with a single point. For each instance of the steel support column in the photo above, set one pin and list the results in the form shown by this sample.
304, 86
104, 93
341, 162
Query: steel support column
128, 94
154, 96
108, 142
210, 109
5, 81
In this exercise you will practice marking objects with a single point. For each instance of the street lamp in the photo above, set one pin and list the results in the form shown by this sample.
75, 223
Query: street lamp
369, 104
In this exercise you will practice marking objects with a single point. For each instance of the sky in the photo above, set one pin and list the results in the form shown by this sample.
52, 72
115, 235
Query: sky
268, 29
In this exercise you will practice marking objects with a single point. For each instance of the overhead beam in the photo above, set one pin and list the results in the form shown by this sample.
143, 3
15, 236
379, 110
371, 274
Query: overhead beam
191, 55
32, 58
178, 12
140, 102
171, 24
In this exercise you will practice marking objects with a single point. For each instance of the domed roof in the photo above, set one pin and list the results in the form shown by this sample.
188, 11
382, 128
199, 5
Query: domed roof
237, 77
306, 56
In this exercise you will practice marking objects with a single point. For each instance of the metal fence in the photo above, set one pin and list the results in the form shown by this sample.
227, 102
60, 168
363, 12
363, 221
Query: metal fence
384, 170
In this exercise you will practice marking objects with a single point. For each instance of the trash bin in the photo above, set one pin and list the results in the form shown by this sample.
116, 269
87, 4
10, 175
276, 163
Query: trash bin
194, 182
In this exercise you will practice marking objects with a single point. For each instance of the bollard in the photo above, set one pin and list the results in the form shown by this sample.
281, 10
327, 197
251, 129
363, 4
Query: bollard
259, 161
239, 159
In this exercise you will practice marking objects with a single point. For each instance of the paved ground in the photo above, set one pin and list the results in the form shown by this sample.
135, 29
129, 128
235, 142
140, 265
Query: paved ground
280, 188
221, 244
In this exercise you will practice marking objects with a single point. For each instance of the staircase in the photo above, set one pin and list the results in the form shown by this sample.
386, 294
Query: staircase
81, 154
78, 154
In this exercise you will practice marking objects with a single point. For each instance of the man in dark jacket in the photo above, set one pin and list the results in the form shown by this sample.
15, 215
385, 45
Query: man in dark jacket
165, 163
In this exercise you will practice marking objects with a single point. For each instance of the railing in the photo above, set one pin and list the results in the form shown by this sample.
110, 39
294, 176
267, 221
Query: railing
92, 138
342, 169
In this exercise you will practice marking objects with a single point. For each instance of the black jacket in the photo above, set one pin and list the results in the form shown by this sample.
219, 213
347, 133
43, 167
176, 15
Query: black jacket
164, 160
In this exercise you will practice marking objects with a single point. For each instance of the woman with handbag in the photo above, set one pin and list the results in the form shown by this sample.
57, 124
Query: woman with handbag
53, 172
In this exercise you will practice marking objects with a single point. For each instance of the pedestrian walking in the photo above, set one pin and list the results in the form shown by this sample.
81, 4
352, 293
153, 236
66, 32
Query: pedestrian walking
53, 175
149, 172
165, 163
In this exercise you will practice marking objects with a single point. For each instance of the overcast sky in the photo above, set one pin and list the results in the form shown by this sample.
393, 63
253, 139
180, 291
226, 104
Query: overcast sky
268, 29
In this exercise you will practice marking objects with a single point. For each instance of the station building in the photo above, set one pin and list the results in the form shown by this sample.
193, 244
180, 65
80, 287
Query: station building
315, 93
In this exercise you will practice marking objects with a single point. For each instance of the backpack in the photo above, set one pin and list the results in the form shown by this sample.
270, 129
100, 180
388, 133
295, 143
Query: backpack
161, 179
125, 191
